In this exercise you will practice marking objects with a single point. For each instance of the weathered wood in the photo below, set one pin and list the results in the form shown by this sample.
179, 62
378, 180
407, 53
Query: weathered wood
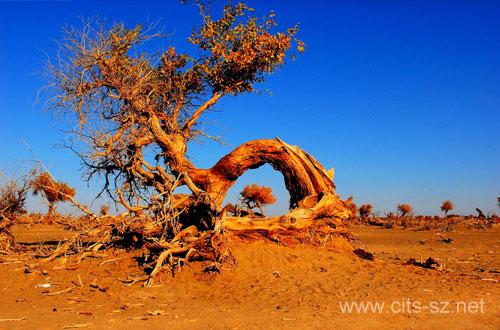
316, 225
303, 175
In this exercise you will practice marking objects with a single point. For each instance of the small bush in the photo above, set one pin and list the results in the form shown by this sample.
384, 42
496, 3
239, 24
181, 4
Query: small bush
364, 211
104, 209
12, 197
254, 196
54, 191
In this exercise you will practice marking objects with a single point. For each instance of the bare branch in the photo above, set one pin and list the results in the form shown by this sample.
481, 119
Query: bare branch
200, 110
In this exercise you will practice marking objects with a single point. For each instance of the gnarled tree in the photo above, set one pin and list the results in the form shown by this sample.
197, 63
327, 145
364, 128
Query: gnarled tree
54, 191
138, 111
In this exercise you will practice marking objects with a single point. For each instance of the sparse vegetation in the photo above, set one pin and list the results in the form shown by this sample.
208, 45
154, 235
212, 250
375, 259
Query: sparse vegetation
136, 102
353, 207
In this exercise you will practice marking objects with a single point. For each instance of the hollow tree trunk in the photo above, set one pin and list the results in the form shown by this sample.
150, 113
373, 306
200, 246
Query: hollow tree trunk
303, 175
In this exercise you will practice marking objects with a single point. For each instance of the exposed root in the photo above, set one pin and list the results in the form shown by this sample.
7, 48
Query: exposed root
207, 245
319, 221
319, 225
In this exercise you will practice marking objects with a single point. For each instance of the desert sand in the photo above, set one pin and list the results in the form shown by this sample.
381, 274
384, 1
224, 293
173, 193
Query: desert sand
271, 287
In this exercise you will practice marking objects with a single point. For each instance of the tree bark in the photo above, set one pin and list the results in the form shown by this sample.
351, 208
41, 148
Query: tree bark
317, 225
303, 175
50, 211
260, 209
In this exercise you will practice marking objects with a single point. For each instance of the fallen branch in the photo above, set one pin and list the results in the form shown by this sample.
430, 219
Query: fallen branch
83, 325
60, 292
110, 260
445, 239
10, 320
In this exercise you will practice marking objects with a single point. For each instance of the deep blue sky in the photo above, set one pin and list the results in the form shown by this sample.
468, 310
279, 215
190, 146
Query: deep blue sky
401, 97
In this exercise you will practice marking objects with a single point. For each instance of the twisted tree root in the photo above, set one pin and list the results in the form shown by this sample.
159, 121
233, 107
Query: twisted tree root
188, 245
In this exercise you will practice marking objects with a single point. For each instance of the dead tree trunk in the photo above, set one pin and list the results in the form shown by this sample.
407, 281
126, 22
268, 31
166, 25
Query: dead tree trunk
303, 175
50, 211
259, 205
312, 192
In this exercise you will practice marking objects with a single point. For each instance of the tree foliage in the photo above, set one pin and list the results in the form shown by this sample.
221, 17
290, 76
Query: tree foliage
404, 209
353, 207
137, 110
52, 190
447, 206
365, 210
104, 209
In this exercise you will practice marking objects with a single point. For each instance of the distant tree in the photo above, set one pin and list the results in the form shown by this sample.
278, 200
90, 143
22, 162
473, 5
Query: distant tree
498, 202
54, 191
254, 196
104, 209
446, 207
404, 209
365, 210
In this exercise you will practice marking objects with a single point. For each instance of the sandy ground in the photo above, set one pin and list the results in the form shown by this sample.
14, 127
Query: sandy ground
272, 287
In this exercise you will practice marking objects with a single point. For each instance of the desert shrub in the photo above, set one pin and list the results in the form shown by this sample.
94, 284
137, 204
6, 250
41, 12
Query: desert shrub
54, 191
254, 196
364, 211
404, 209
419, 219
353, 207
233, 209
446, 207
12, 197
104, 210
12, 204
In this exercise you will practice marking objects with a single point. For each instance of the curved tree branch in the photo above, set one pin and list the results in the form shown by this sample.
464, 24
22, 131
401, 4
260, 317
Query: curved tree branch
303, 175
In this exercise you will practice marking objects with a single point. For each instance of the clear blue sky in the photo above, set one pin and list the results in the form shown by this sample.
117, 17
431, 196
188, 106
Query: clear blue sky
401, 97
